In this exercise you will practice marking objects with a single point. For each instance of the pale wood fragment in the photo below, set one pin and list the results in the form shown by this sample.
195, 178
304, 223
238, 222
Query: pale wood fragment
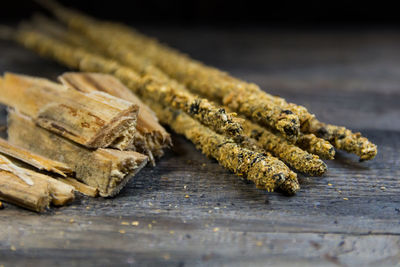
32, 159
108, 170
15, 191
94, 119
150, 138
35, 194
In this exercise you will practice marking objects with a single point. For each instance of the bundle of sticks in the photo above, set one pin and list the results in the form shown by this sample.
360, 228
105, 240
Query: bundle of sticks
72, 137
250, 132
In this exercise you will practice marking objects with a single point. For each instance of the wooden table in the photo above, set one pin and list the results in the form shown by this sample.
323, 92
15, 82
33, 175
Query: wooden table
350, 78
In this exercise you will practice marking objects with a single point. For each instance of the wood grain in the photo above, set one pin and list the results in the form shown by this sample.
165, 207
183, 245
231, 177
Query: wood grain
345, 77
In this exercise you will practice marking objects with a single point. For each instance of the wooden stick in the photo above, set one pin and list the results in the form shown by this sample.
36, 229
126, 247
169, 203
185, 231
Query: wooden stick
32, 159
108, 170
93, 120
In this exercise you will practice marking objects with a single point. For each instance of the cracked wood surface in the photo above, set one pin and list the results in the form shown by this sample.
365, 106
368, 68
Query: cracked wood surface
347, 78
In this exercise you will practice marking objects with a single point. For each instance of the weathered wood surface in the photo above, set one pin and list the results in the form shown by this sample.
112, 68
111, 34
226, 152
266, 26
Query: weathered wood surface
350, 78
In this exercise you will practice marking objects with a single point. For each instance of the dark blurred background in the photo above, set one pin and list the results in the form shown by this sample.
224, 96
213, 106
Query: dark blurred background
226, 13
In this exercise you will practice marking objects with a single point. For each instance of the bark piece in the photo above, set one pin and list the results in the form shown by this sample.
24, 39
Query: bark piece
108, 170
94, 120
150, 137
34, 160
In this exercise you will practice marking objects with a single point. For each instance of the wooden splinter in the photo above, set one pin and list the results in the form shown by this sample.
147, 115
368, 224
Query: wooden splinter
94, 120
108, 170
34, 160
37, 193
42, 163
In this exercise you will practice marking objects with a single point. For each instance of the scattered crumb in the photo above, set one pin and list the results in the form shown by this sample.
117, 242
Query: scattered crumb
124, 223
1, 205
153, 221
13, 248
185, 186
203, 164
71, 220
150, 226
259, 244
135, 223
172, 232
88, 207
166, 256
150, 204
383, 188
345, 198
186, 196
216, 229
122, 231
329, 184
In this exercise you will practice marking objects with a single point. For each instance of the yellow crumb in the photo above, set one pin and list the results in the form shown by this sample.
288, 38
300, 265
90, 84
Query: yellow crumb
216, 229
172, 232
121, 231
124, 223
345, 198
13, 248
259, 243
329, 184
135, 223
71, 220
186, 196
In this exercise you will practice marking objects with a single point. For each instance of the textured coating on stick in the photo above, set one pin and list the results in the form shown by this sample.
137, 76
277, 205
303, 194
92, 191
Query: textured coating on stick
265, 171
288, 153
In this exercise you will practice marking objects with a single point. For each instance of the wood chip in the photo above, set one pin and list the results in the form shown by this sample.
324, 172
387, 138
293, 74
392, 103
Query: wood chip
32, 159
108, 170
94, 120
35, 196
150, 138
